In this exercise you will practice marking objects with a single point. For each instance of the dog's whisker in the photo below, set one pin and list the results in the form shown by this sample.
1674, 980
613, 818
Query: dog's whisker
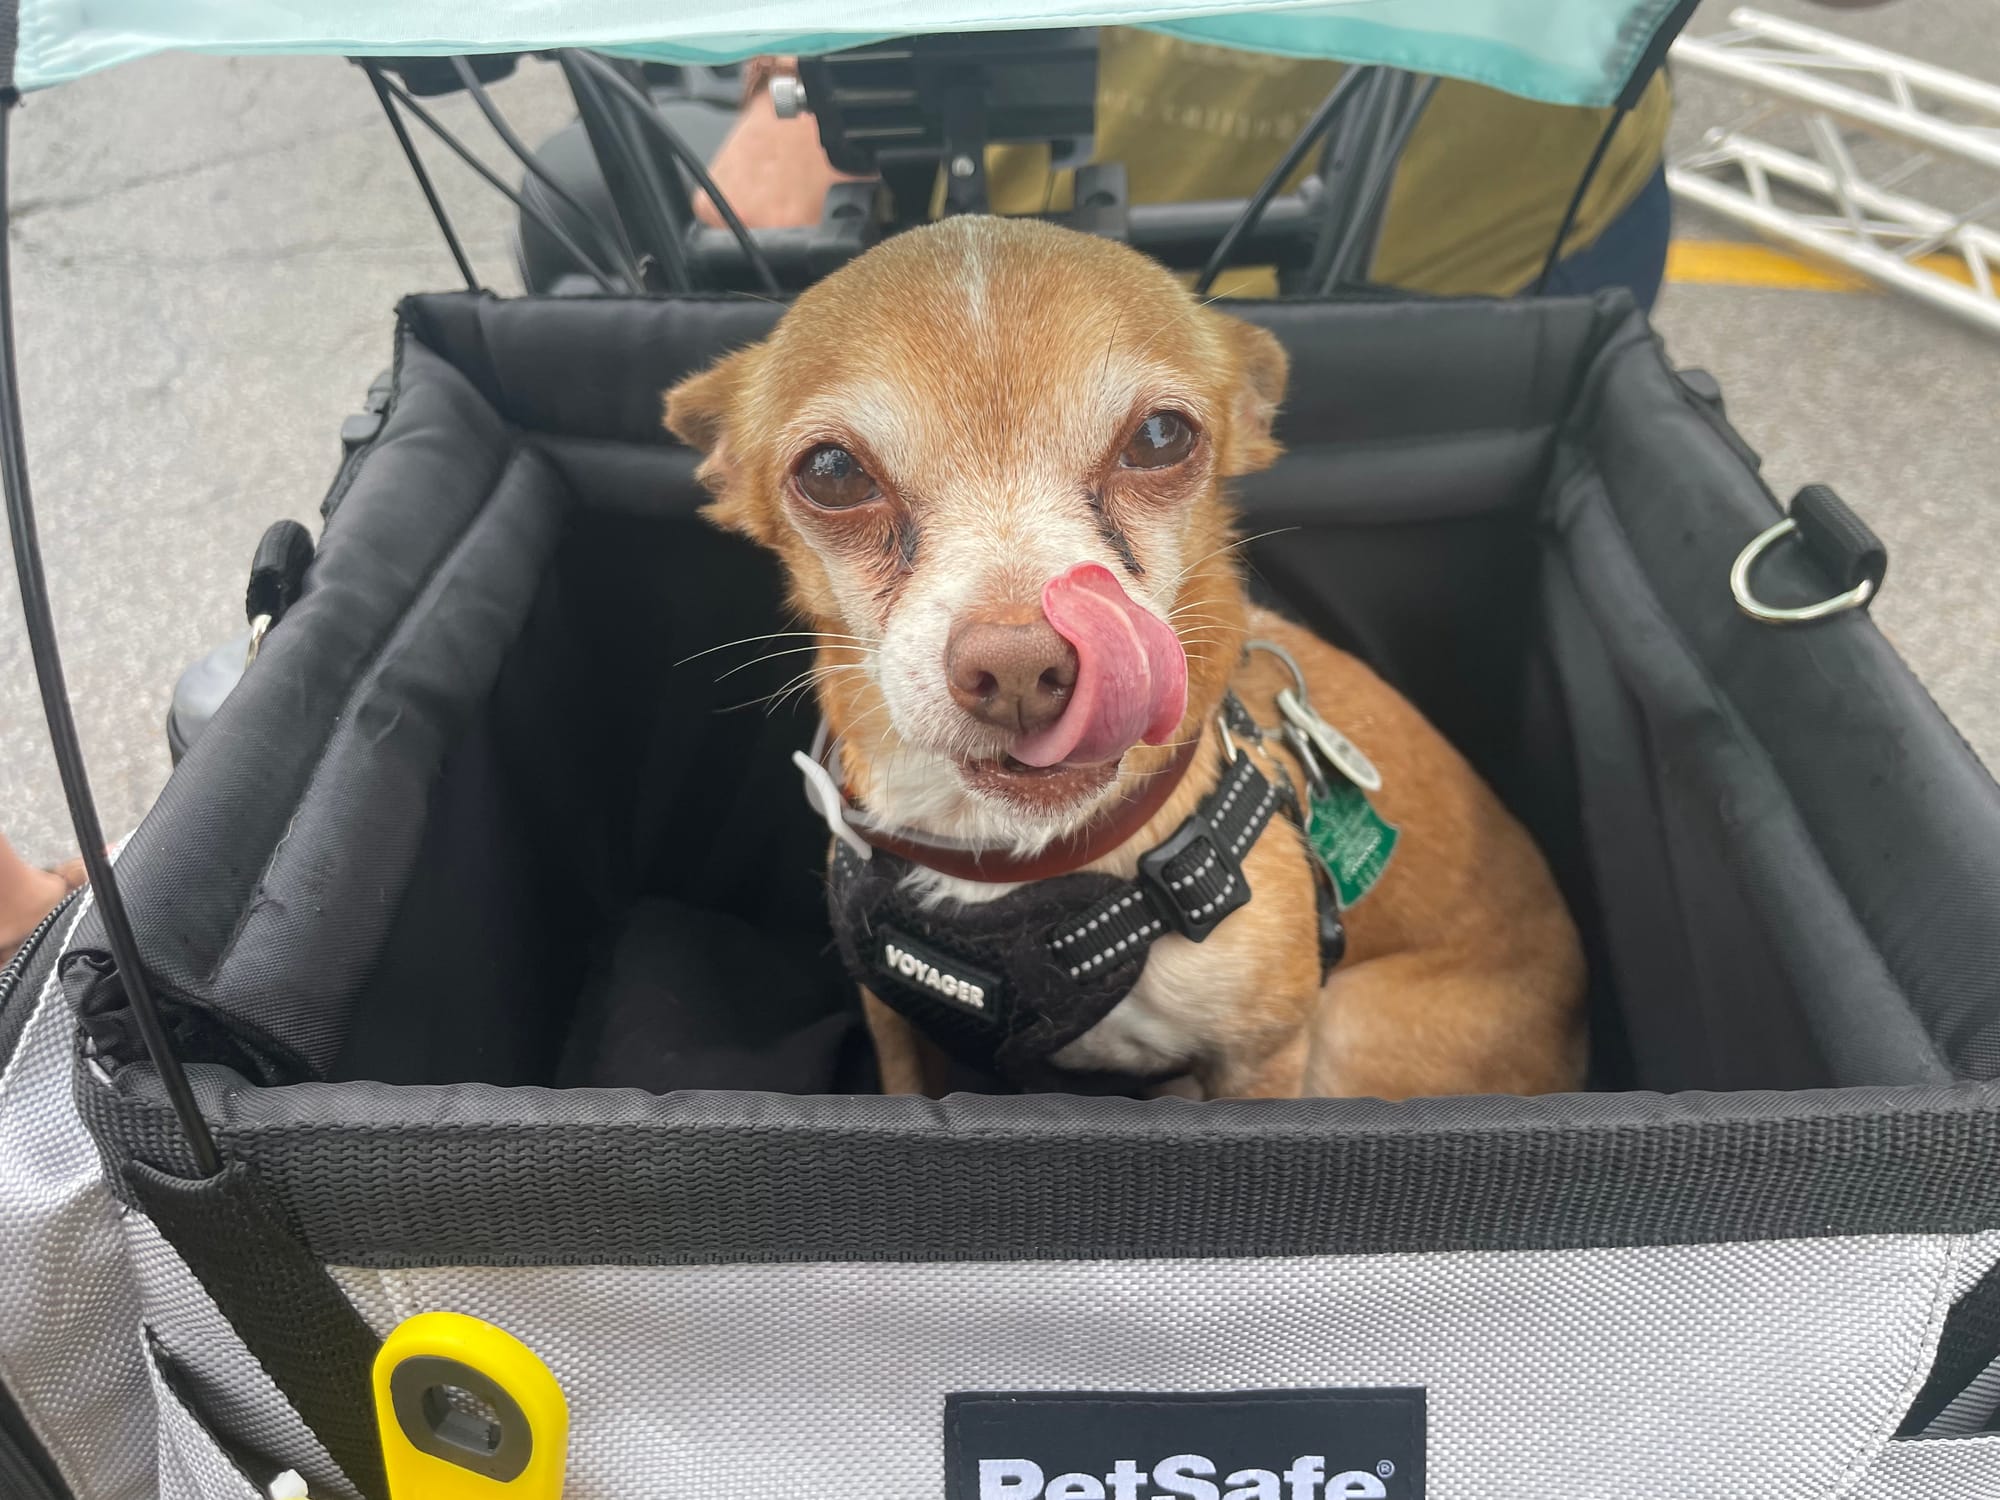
812, 676
775, 635
1244, 541
806, 679
755, 661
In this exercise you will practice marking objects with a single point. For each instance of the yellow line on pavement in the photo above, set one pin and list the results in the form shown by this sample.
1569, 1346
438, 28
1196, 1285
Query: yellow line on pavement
1737, 263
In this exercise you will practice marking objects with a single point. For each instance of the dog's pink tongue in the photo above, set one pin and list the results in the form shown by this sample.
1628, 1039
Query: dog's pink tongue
1131, 674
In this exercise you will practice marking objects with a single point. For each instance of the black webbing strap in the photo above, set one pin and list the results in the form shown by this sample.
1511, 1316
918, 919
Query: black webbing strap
1968, 1343
281, 1302
1186, 885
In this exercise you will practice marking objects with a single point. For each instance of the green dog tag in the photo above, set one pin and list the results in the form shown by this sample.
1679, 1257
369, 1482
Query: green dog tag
1351, 840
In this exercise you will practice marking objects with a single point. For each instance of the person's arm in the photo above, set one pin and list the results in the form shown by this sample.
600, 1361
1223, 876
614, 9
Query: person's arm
772, 171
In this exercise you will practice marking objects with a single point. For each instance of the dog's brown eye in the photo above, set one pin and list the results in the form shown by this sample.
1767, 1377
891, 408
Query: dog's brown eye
833, 479
1163, 440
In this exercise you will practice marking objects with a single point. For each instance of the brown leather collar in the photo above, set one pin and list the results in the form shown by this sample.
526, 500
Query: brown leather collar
1070, 853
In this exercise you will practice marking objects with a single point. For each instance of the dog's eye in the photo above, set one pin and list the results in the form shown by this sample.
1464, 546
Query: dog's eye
1163, 440
833, 479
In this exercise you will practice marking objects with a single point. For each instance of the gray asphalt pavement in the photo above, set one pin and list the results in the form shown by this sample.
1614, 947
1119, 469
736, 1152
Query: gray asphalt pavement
208, 252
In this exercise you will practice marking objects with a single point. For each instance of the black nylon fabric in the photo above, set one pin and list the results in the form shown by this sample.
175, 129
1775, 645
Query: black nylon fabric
469, 1175
496, 723
644, 1020
1852, 816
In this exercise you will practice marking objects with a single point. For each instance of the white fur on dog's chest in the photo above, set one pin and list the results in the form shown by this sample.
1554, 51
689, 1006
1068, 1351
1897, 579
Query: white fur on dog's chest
1164, 1024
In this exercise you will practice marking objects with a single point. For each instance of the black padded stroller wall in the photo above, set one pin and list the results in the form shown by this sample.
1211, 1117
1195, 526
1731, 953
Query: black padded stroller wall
491, 807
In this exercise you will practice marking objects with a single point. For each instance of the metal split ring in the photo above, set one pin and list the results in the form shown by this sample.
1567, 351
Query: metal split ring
1739, 585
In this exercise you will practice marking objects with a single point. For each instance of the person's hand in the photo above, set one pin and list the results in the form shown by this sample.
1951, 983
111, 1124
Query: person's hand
772, 171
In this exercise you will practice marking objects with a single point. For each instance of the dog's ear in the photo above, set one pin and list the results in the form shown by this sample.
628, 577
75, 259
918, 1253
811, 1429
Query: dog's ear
697, 410
702, 412
1260, 369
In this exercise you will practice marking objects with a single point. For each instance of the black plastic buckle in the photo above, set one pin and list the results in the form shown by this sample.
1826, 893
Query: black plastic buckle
1177, 908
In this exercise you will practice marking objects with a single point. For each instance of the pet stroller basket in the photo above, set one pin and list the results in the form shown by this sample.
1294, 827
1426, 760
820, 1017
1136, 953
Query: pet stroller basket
495, 959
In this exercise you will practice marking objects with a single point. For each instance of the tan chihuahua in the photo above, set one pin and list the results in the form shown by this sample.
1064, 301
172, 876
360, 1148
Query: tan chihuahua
1093, 814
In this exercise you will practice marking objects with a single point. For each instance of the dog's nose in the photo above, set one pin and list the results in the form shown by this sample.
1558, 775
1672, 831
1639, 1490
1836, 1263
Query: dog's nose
1015, 677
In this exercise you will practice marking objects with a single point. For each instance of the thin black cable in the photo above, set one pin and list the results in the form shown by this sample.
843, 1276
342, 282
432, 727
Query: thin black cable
650, 198
1324, 116
494, 180
423, 177
1576, 199
606, 243
62, 723
649, 116
1366, 223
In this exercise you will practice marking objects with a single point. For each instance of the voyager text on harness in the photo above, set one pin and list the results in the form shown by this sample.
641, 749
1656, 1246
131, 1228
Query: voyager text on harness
920, 970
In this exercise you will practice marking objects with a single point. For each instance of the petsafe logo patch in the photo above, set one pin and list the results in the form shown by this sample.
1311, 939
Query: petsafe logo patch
917, 966
1185, 1476
1364, 1443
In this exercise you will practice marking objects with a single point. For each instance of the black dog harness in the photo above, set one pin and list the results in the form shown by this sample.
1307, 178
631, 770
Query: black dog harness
1003, 985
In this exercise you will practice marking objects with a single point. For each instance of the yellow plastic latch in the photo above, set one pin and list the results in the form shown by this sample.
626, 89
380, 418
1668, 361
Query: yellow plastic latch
467, 1412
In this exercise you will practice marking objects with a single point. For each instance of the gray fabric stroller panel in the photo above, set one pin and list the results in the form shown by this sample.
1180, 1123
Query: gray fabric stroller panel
1931, 1468
1786, 1364
1751, 1371
69, 1310
191, 1465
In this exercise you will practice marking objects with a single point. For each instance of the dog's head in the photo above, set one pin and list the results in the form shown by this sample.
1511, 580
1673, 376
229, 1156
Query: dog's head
991, 454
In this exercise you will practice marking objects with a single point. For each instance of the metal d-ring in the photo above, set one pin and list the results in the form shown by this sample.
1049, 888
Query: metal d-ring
1739, 585
1272, 648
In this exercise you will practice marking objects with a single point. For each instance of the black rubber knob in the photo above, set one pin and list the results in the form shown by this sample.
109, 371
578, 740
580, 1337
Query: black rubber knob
1839, 540
278, 571
1702, 386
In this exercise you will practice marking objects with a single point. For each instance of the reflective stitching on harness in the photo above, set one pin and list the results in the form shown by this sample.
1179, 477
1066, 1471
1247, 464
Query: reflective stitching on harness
1151, 929
1189, 879
1256, 823
1075, 934
1219, 897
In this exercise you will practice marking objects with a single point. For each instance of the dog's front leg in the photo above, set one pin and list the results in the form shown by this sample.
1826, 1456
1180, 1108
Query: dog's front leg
908, 1063
1259, 1073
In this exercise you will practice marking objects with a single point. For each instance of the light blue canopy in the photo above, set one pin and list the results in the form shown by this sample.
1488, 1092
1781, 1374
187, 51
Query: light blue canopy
1562, 51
